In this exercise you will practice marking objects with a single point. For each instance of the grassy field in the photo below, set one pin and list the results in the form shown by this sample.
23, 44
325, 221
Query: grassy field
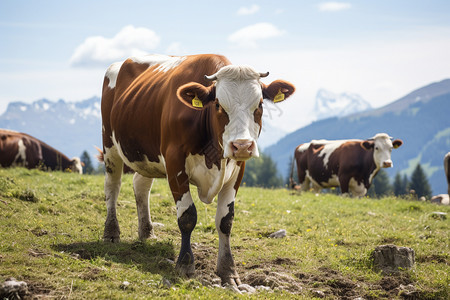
51, 227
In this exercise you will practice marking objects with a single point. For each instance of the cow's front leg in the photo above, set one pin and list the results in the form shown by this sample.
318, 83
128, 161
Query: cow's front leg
187, 219
226, 268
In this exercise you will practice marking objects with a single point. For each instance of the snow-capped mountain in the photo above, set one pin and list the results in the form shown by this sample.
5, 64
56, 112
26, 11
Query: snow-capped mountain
70, 127
329, 104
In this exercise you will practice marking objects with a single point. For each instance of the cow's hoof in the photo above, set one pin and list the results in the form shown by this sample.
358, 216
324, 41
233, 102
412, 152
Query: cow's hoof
185, 270
234, 281
111, 239
146, 232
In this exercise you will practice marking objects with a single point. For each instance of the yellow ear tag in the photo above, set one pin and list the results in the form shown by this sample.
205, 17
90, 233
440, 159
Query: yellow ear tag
278, 97
197, 102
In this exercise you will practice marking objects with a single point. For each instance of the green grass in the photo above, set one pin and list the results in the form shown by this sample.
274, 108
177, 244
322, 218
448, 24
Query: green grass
51, 227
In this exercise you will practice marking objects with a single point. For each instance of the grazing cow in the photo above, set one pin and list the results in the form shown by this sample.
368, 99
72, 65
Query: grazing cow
20, 149
447, 170
350, 164
165, 118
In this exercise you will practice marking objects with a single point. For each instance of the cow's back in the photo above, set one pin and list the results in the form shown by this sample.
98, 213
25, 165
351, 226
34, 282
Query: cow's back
142, 110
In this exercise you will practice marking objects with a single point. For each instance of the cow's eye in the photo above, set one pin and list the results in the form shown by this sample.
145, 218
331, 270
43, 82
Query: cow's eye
260, 105
376, 148
217, 105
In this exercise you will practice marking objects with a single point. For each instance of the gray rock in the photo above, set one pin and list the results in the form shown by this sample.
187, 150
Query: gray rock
391, 258
440, 199
279, 234
13, 289
247, 288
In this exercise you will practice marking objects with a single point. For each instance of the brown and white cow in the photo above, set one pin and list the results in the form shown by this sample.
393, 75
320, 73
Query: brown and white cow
348, 164
164, 118
21, 149
447, 170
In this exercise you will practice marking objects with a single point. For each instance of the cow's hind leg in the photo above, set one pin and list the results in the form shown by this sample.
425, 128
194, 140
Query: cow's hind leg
142, 186
113, 175
226, 268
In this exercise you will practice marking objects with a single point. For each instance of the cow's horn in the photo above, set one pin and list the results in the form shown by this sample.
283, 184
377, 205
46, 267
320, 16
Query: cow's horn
211, 77
264, 74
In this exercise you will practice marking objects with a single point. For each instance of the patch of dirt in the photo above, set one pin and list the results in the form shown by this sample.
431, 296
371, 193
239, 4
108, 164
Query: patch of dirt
327, 283
432, 258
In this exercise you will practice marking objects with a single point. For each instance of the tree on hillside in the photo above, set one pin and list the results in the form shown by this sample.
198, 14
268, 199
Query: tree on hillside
86, 159
380, 185
419, 183
400, 185
262, 172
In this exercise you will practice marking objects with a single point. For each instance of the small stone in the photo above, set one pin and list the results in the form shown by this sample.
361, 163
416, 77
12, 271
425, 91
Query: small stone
318, 294
166, 283
232, 288
439, 215
156, 224
124, 285
216, 280
278, 234
13, 288
247, 288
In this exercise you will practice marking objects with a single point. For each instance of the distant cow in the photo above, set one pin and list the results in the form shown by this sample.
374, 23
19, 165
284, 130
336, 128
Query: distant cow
20, 149
348, 164
447, 170
164, 118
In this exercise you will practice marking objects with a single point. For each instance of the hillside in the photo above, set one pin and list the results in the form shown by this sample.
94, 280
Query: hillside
420, 119
51, 227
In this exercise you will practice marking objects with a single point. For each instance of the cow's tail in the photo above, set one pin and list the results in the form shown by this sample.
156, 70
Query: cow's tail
292, 183
100, 157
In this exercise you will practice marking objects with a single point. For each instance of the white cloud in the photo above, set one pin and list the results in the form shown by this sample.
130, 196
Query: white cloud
176, 49
334, 6
98, 51
248, 37
243, 11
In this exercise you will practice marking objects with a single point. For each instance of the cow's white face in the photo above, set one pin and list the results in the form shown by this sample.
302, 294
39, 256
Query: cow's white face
241, 100
382, 148
76, 165
235, 103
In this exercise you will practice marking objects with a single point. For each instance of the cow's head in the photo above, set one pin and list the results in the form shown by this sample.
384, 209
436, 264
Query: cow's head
76, 165
382, 147
236, 101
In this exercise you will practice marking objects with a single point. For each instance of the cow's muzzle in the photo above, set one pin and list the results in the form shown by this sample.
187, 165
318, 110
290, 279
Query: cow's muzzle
243, 149
388, 164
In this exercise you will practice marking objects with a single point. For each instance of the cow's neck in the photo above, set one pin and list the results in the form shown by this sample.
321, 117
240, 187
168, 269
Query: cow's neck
372, 167
211, 141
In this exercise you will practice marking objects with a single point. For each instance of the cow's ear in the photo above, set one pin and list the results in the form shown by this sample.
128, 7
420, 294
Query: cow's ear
195, 95
277, 91
367, 144
397, 143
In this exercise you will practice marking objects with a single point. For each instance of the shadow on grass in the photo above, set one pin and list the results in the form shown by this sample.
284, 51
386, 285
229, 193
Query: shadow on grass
152, 257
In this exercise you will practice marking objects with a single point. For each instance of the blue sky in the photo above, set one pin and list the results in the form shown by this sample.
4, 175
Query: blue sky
380, 50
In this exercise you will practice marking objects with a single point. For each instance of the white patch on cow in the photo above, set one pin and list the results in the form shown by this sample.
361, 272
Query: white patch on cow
332, 182
184, 204
382, 150
145, 167
208, 181
21, 154
165, 62
357, 189
238, 90
303, 147
112, 73
372, 175
23, 108
328, 149
77, 167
